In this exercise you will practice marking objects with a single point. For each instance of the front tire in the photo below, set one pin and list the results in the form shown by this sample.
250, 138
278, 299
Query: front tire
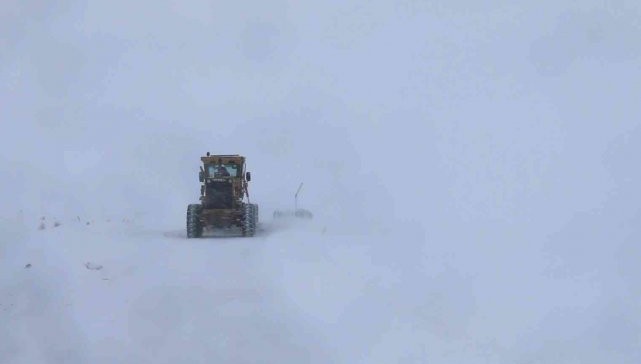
255, 207
194, 225
250, 219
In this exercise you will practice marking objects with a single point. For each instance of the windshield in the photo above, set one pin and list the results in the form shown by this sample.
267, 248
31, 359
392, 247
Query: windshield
222, 170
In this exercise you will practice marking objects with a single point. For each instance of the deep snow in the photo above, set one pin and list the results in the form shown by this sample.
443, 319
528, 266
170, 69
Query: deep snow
290, 294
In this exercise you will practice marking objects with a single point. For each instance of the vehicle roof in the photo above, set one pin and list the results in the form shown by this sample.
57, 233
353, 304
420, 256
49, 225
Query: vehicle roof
223, 158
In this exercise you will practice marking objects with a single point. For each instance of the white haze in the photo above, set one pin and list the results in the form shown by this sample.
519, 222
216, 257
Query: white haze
473, 168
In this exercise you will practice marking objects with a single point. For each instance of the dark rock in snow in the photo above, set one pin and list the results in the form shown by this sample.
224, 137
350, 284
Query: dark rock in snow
93, 266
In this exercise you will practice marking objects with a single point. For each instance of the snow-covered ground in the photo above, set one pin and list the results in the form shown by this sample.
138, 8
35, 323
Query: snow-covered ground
300, 291
118, 292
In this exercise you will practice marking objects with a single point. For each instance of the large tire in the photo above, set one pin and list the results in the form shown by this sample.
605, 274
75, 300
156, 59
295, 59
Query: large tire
194, 226
255, 207
250, 219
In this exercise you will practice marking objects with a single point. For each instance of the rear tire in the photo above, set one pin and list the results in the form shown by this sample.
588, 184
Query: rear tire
194, 226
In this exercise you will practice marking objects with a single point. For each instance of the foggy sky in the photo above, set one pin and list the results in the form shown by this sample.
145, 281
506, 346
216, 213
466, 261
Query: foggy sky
499, 141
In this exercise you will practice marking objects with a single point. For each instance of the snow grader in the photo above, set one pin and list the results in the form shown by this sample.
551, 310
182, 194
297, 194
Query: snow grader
224, 197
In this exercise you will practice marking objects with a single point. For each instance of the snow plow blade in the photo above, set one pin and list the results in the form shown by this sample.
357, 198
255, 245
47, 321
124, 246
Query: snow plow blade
296, 212
300, 213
